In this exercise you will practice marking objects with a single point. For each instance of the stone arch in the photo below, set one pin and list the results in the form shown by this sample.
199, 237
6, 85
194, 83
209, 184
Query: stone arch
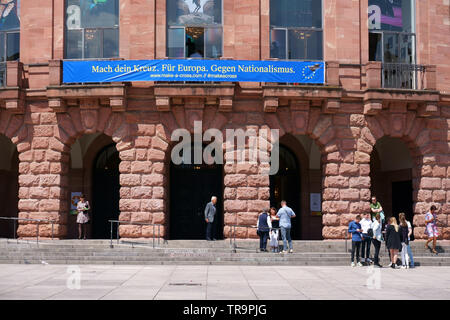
426, 141
45, 185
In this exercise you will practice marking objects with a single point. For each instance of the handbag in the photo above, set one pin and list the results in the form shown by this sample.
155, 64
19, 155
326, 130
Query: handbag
370, 233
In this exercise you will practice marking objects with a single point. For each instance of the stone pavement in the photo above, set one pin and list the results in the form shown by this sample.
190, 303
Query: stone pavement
220, 282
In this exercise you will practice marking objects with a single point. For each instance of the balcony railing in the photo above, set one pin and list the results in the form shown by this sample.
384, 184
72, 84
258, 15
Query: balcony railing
403, 76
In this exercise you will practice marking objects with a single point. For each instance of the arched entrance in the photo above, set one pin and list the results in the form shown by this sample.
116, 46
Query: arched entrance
191, 188
299, 177
94, 171
9, 186
106, 191
391, 177
285, 185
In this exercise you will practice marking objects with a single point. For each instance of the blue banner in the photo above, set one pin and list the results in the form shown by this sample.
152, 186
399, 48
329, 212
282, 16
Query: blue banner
193, 70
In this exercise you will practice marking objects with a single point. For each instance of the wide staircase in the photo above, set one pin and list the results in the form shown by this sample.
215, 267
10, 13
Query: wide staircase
184, 252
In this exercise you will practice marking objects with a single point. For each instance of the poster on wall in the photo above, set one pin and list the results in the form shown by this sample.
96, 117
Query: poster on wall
316, 204
74, 198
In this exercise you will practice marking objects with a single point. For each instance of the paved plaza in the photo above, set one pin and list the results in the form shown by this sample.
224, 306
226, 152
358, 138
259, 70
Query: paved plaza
175, 282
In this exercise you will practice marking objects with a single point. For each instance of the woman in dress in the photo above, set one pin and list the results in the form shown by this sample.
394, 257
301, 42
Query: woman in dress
431, 228
83, 216
274, 230
393, 241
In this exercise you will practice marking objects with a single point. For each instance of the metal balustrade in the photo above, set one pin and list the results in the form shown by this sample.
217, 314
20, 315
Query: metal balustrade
402, 76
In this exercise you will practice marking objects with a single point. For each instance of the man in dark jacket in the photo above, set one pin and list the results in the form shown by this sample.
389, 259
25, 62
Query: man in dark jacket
210, 212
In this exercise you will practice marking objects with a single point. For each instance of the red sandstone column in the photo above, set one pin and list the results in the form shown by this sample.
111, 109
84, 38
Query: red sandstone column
143, 182
42, 177
246, 193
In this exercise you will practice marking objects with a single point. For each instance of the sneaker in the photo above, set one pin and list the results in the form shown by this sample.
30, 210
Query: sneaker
291, 251
404, 267
390, 264
283, 251
359, 264
368, 260
353, 265
378, 265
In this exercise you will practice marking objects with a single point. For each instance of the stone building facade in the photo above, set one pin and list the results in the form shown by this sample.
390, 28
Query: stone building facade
352, 137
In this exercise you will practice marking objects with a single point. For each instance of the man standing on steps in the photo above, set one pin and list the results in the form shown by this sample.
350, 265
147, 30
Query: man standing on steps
285, 214
210, 212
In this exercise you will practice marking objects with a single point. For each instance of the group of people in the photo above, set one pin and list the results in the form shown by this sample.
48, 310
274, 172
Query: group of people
268, 225
371, 229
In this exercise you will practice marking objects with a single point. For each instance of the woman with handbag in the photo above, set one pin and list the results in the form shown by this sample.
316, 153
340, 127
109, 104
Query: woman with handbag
83, 216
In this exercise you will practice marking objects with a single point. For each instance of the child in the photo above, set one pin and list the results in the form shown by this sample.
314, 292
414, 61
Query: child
274, 232
355, 229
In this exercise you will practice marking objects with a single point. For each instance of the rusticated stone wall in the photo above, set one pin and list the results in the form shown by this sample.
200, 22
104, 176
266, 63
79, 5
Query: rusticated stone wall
346, 141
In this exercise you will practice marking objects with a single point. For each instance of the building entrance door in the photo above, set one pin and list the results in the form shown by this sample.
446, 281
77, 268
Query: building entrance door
191, 188
106, 192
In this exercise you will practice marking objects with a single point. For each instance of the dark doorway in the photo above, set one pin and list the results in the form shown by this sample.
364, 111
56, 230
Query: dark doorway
191, 188
106, 192
402, 199
9, 187
285, 185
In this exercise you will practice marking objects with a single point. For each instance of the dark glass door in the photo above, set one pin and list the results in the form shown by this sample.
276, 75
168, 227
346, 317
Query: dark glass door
402, 199
106, 192
191, 188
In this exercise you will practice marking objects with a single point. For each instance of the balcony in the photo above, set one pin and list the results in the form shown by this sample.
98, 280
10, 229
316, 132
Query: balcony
394, 83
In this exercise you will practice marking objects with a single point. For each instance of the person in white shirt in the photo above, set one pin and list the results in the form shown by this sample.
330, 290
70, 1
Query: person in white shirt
377, 238
366, 225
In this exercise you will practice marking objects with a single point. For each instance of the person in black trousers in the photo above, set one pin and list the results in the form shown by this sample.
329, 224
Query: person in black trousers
377, 237
263, 226
210, 212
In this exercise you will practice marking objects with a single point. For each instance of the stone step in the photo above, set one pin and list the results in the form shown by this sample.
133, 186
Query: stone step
171, 252
298, 262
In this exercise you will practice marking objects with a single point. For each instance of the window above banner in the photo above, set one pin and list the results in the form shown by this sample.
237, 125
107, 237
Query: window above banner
91, 29
194, 29
296, 29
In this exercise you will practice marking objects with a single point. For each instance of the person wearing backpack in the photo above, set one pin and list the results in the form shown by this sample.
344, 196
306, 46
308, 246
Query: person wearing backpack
367, 235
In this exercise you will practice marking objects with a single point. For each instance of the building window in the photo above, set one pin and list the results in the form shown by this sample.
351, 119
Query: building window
392, 36
9, 35
392, 40
92, 29
194, 28
296, 29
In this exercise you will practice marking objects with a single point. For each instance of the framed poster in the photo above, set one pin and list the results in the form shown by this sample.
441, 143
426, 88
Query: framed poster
316, 204
74, 198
